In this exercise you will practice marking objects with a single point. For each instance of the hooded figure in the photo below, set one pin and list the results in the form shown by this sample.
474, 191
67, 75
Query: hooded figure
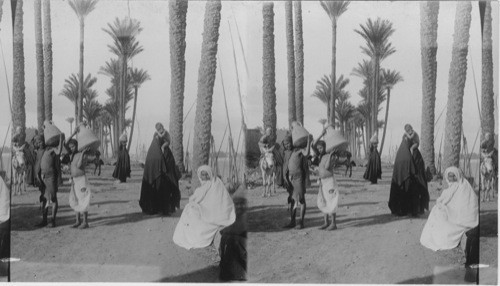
374, 167
209, 209
122, 168
456, 211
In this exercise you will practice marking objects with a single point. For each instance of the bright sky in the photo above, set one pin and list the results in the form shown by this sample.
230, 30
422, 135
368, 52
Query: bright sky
406, 97
154, 95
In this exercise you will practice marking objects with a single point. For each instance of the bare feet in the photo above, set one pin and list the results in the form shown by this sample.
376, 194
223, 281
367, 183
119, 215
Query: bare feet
77, 224
323, 226
84, 226
332, 227
300, 226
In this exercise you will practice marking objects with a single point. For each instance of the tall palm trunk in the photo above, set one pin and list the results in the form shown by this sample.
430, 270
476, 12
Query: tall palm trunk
456, 84
291, 62
206, 80
376, 79
47, 60
80, 86
487, 95
333, 90
428, 43
299, 63
385, 121
19, 97
123, 92
133, 118
39, 64
268, 69
177, 29
365, 135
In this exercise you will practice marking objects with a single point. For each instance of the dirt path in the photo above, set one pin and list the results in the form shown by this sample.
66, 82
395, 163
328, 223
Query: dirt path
122, 244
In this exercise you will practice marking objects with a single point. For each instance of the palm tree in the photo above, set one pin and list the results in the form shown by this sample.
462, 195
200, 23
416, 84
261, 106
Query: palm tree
487, 95
123, 33
376, 35
456, 84
324, 87
390, 79
268, 75
299, 63
70, 121
290, 62
428, 45
39, 64
91, 111
206, 80
345, 110
137, 78
47, 60
71, 88
82, 9
323, 121
177, 39
334, 9
364, 71
18, 96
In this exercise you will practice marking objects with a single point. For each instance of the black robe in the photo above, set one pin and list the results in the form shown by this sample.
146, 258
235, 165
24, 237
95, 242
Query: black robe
122, 168
233, 252
409, 194
160, 183
374, 168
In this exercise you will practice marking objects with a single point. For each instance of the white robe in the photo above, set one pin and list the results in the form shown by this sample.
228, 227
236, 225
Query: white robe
328, 196
4, 202
209, 209
79, 201
456, 211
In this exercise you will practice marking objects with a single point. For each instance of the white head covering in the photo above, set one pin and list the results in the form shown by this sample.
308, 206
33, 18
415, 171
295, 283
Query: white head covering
462, 207
207, 169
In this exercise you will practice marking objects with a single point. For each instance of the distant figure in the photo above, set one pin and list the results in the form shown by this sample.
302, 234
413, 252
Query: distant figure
233, 244
265, 141
286, 153
456, 211
160, 182
209, 209
409, 194
79, 195
374, 168
122, 168
488, 145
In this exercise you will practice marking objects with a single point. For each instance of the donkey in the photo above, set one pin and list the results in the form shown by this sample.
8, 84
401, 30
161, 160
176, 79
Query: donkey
18, 171
488, 177
268, 168
343, 158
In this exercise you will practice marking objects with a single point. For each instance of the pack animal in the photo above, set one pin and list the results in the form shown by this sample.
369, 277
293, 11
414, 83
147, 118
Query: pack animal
93, 157
18, 171
488, 178
343, 158
268, 168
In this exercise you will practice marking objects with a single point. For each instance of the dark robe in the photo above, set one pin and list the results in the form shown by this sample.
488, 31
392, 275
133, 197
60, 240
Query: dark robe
409, 194
160, 182
122, 168
374, 168
233, 252
30, 157
4, 247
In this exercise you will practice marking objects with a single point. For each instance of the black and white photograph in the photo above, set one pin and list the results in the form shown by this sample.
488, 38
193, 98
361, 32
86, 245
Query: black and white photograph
183, 141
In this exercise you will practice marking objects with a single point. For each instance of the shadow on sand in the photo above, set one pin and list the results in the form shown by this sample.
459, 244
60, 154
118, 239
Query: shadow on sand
205, 275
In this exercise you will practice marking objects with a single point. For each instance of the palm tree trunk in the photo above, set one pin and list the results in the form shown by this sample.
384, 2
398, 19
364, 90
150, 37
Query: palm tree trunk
291, 63
19, 96
47, 60
487, 95
333, 91
456, 84
376, 78
206, 80
177, 29
80, 86
39, 64
385, 122
133, 119
365, 134
299, 63
428, 40
268, 69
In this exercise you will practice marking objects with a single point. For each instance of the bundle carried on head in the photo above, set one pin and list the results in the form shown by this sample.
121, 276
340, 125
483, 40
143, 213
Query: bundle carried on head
123, 137
87, 139
51, 133
299, 135
334, 140
374, 139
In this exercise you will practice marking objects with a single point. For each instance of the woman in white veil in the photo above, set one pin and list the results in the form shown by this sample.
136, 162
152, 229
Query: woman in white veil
456, 211
209, 209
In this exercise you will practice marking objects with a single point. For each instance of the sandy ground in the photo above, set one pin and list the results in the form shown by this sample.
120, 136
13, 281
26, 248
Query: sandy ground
123, 245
